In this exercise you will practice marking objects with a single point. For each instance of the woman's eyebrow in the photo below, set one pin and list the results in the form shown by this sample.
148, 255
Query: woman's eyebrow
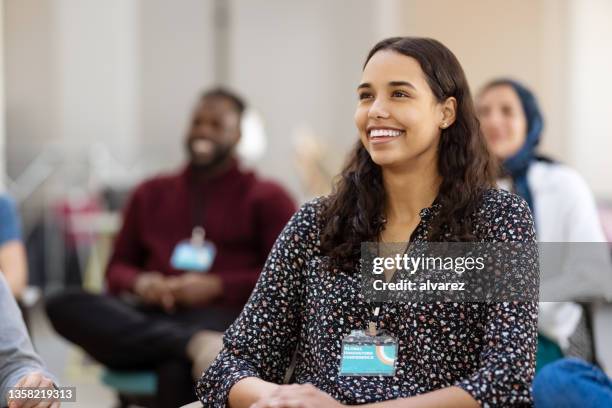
402, 83
391, 83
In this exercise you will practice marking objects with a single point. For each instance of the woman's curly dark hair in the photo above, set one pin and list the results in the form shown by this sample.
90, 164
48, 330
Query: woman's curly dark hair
354, 212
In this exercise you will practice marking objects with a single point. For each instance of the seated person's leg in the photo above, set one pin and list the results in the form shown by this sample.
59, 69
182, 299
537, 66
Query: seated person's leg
203, 348
206, 341
175, 386
115, 333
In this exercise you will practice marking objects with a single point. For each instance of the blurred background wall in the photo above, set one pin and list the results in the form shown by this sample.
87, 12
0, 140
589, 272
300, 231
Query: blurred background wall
103, 89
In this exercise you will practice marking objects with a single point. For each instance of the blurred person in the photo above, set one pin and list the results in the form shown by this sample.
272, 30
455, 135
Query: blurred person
13, 262
420, 171
20, 366
212, 210
564, 211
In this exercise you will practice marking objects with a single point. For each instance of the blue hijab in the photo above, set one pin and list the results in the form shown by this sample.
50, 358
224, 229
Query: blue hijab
518, 165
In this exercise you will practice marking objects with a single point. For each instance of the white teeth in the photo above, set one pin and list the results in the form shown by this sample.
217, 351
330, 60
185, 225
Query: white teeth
384, 132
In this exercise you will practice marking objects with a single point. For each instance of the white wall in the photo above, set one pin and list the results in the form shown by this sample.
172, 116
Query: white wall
31, 85
96, 61
299, 63
176, 64
121, 72
589, 93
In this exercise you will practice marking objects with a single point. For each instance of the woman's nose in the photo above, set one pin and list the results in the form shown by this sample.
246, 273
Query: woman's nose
494, 118
378, 110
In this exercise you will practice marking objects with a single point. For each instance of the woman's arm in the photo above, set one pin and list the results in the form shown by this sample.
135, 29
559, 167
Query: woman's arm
13, 262
507, 358
450, 397
259, 345
308, 396
17, 356
248, 390
14, 266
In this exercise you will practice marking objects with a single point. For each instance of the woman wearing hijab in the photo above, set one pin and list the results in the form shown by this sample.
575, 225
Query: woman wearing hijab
564, 211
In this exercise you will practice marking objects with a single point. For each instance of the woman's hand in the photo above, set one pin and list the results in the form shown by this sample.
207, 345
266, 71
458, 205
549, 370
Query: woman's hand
297, 396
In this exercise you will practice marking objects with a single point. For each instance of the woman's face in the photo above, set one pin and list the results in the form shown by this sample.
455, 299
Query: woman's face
398, 116
502, 120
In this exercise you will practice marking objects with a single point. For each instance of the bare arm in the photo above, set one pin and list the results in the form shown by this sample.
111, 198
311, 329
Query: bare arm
14, 266
308, 396
450, 397
249, 390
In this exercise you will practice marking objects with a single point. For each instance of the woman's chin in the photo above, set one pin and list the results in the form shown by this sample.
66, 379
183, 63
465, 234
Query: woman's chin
383, 160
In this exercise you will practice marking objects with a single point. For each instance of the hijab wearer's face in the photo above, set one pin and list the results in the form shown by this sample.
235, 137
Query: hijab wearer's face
398, 116
502, 120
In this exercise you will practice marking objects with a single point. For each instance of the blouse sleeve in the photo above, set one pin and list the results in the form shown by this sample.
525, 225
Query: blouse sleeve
509, 345
261, 342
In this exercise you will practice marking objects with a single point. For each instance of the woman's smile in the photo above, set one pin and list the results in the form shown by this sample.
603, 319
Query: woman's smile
378, 135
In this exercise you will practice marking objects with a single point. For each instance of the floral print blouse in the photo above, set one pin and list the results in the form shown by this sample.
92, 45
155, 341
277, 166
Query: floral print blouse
299, 307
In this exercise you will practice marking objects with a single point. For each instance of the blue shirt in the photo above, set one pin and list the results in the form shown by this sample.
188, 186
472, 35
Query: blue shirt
10, 226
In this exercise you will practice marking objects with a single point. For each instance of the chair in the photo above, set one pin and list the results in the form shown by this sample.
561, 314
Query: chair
132, 387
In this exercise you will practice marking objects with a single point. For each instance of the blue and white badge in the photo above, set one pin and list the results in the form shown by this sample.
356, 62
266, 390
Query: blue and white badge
368, 355
194, 255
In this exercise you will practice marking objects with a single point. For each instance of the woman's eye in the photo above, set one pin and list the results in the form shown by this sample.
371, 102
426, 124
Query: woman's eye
508, 111
365, 95
400, 94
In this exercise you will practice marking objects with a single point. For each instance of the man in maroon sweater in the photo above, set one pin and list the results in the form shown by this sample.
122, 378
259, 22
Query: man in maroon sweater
173, 312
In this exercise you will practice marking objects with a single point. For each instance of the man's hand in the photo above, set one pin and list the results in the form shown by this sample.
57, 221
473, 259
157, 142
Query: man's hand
154, 288
33, 380
195, 289
297, 396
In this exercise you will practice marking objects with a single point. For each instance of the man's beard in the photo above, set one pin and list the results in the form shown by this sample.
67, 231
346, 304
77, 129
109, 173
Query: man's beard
220, 154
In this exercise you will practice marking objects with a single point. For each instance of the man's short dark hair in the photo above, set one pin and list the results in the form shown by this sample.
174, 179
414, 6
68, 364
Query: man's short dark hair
221, 92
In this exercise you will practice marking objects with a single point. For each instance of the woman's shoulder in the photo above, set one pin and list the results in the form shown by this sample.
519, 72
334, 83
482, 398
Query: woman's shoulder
494, 200
558, 178
504, 215
308, 215
312, 208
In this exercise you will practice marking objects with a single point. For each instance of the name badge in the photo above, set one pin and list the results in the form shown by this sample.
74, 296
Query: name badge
194, 255
367, 355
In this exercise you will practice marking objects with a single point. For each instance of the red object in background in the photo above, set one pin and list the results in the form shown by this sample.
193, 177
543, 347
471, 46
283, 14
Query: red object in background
73, 206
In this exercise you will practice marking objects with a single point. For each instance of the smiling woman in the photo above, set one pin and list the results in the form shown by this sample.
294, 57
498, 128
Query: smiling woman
420, 172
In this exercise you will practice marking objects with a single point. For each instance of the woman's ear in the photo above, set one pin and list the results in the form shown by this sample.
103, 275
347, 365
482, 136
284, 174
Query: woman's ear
449, 112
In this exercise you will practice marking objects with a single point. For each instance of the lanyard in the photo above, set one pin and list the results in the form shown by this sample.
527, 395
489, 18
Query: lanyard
373, 323
198, 206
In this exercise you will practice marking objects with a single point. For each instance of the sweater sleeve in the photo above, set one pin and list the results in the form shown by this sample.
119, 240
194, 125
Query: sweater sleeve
272, 208
261, 342
128, 252
507, 358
